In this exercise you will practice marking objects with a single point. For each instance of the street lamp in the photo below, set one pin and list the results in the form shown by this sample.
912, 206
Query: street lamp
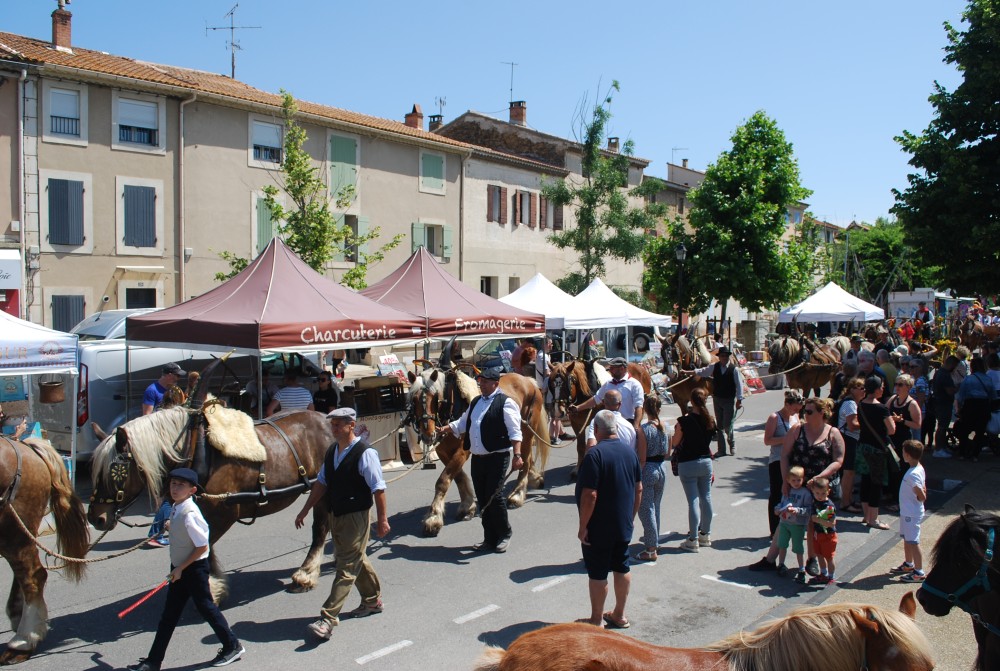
681, 253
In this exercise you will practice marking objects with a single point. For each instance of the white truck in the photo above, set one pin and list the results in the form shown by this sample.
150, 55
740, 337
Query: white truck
902, 304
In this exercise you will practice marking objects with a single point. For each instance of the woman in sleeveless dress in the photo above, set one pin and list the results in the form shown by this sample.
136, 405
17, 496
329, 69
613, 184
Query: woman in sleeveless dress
775, 429
654, 477
873, 457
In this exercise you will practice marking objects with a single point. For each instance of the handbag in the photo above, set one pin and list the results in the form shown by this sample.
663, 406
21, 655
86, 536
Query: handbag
892, 457
675, 464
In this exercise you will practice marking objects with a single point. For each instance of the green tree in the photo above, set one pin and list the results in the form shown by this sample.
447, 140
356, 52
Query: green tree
950, 208
606, 227
310, 228
738, 217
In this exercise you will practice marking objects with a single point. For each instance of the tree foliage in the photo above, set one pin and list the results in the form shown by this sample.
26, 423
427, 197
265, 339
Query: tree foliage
607, 228
734, 232
950, 208
310, 227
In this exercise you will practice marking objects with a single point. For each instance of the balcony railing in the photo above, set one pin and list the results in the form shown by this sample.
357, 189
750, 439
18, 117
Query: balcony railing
64, 125
268, 154
138, 135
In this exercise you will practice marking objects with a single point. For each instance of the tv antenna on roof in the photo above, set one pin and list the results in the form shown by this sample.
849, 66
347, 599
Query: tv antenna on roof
234, 46
511, 79
440, 101
673, 152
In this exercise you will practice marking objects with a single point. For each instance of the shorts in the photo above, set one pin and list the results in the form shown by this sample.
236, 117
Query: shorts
602, 559
795, 533
850, 452
909, 529
825, 545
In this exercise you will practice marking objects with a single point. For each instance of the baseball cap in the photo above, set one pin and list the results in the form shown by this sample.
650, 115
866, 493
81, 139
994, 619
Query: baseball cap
343, 413
175, 369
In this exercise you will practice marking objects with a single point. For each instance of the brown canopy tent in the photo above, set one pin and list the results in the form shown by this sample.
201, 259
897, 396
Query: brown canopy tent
450, 307
276, 304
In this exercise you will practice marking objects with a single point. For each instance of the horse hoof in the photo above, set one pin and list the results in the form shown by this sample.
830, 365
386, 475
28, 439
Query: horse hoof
515, 501
298, 588
301, 582
8, 657
432, 527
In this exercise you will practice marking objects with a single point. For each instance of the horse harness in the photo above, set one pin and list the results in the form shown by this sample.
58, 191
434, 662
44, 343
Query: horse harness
9, 494
980, 579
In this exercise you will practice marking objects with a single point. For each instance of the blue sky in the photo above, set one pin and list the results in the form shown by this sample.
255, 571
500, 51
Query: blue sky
841, 79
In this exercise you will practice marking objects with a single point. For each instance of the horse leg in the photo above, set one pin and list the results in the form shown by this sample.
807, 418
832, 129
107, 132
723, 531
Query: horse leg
218, 525
15, 604
450, 453
29, 605
306, 577
520, 492
467, 505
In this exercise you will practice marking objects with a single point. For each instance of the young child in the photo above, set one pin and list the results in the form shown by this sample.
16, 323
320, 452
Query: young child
794, 510
912, 494
823, 528
189, 577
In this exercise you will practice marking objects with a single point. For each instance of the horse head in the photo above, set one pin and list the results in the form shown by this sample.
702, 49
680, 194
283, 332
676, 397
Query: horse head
423, 398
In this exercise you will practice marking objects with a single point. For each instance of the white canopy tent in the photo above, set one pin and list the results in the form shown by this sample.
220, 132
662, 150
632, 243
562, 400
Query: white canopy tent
30, 349
540, 295
832, 304
599, 307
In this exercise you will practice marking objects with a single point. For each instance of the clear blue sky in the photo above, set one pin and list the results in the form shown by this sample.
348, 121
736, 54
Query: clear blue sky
841, 79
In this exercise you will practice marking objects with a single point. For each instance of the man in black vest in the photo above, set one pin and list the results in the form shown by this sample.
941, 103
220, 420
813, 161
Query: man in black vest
349, 481
492, 428
727, 397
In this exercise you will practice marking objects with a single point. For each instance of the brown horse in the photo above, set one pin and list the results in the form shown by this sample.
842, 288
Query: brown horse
142, 451
971, 334
678, 356
437, 397
838, 637
806, 365
33, 479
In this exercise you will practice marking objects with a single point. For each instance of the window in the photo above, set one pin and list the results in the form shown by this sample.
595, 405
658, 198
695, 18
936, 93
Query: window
139, 216
65, 113
435, 237
140, 293
680, 205
140, 298
65, 211
557, 218
513, 284
265, 143
343, 163
359, 227
264, 225
138, 122
488, 285
432, 172
496, 204
525, 208
67, 311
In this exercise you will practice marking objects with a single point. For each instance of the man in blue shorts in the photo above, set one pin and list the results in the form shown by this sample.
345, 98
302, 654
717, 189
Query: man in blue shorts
608, 490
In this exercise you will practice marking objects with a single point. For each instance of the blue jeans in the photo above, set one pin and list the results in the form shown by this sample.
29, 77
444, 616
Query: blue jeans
162, 515
654, 479
696, 479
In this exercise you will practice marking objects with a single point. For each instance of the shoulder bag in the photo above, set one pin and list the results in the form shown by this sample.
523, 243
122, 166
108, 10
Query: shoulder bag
892, 457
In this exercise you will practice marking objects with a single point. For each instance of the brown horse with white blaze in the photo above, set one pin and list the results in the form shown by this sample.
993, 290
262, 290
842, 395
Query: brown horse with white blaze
679, 355
806, 365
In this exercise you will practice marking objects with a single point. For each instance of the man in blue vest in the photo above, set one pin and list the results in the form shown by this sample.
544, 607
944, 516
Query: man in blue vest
349, 481
492, 428
727, 397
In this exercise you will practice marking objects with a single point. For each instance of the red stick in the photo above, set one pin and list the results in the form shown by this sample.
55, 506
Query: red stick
143, 599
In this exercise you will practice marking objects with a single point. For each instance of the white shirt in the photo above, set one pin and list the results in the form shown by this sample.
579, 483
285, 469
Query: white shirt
511, 419
631, 392
626, 432
909, 506
188, 530
294, 398
369, 466
709, 371
542, 369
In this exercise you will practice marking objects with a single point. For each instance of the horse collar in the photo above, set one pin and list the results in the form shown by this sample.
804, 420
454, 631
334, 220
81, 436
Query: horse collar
981, 579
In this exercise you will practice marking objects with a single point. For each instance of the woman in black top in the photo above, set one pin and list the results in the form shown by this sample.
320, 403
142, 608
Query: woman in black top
872, 454
692, 443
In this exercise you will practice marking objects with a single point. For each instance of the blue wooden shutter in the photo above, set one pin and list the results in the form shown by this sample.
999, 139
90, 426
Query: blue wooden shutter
265, 225
446, 243
432, 171
364, 225
339, 253
67, 312
343, 163
65, 212
140, 216
417, 238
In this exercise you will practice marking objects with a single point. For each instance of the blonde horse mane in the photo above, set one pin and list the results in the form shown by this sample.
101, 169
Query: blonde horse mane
703, 353
813, 639
154, 440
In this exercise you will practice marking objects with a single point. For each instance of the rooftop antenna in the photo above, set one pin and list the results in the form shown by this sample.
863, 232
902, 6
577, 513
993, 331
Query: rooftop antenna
63, 3
234, 46
673, 152
440, 101
511, 79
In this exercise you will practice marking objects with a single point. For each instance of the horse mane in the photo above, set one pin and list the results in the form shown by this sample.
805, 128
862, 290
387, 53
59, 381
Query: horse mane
466, 386
601, 374
954, 548
813, 639
703, 353
783, 351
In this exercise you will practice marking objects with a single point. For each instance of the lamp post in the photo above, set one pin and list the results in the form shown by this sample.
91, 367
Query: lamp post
681, 253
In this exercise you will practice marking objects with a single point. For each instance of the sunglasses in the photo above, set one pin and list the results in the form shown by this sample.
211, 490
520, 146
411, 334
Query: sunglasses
899, 384
808, 411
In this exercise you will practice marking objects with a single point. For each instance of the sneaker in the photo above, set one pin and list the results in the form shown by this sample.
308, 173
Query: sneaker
763, 565
226, 658
502, 545
812, 566
323, 628
800, 576
690, 545
158, 543
821, 580
720, 453
902, 569
143, 665
704, 540
942, 454
364, 610
782, 570
912, 577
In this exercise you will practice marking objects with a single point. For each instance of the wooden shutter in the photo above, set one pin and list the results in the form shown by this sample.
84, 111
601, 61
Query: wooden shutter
517, 208
490, 200
65, 213
140, 216
503, 205
557, 218
543, 212
432, 172
265, 225
339, 251
533, 211
67, 312
343, 163
446, 243
364, 225
416, 236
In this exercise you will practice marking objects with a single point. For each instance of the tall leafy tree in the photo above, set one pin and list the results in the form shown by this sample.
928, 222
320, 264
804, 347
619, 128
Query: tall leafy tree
951, 208
607, 228
310, 228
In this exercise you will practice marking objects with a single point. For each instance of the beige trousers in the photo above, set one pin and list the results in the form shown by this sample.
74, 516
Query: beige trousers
350, 541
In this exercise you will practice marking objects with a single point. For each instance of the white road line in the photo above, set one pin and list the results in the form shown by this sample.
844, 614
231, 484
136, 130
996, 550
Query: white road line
740, 502
476, 613
550, 583
726, 582
388, 650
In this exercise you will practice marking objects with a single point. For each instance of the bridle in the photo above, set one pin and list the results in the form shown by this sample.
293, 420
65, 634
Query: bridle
980, 580
572, 389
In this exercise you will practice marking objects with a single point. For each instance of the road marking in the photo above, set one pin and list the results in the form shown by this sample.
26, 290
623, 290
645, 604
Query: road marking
550, 583
740, 502
388, 650
485, 610
726, 582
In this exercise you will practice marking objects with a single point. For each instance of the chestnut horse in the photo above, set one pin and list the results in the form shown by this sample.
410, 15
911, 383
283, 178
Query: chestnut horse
437, 397
806, 365
142, 451
678, 356
971, 334
32, 480
839, 637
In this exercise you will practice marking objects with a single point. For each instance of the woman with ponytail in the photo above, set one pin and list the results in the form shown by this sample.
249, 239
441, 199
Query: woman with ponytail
654, 476
692, 441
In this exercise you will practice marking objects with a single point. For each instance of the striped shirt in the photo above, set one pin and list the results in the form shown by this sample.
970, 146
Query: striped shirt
294, 398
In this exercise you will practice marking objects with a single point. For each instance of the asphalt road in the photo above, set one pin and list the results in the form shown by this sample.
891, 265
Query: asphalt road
442, 602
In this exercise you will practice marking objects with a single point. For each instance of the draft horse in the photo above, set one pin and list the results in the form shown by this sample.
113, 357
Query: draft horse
141, 452
33, 478
806, 365
839, 637
679, 355
439, 396
964, 575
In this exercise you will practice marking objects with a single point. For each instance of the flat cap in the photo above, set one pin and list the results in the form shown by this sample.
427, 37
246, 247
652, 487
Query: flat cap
342, 413
491, 373
186, 474
618, 361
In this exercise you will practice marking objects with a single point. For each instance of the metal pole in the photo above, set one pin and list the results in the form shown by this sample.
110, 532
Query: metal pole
680, 296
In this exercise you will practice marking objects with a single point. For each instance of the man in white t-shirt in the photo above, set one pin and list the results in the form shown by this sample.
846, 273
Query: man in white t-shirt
631, 392
626, 432
293, 396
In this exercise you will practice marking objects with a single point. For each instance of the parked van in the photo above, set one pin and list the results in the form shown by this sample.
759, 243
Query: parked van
107, 325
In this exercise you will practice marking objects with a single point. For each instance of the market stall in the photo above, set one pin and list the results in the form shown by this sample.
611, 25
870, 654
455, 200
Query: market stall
539, 295
832, 304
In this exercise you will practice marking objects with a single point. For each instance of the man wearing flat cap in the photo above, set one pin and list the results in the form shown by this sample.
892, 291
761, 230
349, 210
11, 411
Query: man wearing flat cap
727, 397
492, 429
152, 399
349, 481
632, 395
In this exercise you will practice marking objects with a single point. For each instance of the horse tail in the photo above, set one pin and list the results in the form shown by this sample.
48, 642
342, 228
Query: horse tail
540, 424
490, 659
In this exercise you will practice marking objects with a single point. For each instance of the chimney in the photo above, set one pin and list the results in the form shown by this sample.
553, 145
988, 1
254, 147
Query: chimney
415, 119
684, 163
62, 27
519, 113
613, 144
436, 121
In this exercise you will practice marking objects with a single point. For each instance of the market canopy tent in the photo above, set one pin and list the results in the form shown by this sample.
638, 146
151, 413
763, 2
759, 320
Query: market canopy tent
277, 304
450, 307
832, 304
597, 306
540, 295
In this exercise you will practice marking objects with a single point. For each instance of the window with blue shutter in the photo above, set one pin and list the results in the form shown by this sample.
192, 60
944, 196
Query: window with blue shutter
431, 172
65, 212
417, 239
343, 163
446, 243
364, 225
339, 252
67, 312
265, 225
140, 216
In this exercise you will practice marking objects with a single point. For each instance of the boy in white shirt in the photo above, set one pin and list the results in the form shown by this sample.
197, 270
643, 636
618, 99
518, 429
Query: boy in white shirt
912, 494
